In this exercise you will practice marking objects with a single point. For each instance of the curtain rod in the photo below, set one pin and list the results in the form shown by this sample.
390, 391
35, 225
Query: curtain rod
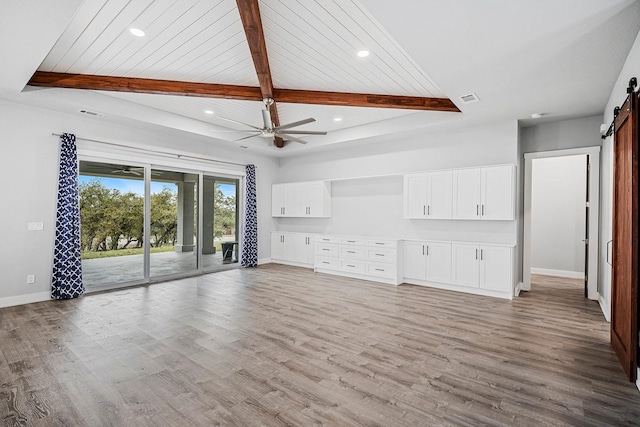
180, 156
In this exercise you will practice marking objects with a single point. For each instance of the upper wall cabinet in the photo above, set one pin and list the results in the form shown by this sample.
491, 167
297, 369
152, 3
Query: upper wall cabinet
428, 195
301, 199
484, 193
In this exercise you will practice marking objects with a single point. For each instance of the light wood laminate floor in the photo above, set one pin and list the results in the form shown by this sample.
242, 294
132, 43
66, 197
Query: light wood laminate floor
279, 345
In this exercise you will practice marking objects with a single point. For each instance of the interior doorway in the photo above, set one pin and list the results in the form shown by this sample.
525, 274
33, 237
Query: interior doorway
561, 204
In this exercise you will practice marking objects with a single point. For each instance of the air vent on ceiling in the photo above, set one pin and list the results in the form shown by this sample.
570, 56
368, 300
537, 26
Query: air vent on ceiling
91, 113
468, 99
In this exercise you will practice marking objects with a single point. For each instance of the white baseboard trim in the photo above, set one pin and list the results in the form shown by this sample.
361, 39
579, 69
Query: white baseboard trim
24, 299
264, 261
558, 273
604, 306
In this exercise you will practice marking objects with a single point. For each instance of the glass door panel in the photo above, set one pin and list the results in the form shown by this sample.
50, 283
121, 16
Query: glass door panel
219, 222
174, 224
111, 223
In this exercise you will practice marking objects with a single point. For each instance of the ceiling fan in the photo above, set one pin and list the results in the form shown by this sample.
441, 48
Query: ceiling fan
269, 131
129, 170
137, 171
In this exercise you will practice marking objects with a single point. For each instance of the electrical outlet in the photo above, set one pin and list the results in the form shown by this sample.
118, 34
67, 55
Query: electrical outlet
35, 226
31, 278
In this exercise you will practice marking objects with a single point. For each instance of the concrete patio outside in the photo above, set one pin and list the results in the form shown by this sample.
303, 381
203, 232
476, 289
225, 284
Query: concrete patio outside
109, 271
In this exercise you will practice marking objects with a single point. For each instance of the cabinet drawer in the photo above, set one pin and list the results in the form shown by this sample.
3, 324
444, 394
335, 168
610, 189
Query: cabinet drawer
327, 249
381, 270
348, 251
382, 243
382, 255
352, 266
349, 241
329, 263
327, 239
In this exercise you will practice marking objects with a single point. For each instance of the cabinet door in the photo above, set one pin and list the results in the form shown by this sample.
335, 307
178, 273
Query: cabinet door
497, 193
466, 194
291, 244
317, 199
311, 248
293, 194
277, 246
439, 194
277, 199
296, 246
415, 195
438, 262
414, 260
466, 260
495, 268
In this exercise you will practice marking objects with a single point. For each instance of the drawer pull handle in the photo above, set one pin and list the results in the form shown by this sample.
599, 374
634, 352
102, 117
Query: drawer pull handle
379, 254
351, 252
351, 241
326, 262
379, 243
379, 269
352, 266
326, 249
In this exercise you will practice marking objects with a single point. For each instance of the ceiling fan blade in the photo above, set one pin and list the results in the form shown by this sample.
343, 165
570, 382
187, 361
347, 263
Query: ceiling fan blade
303, 132
266, 118
238, 123
294, 124
246, 137
292, 138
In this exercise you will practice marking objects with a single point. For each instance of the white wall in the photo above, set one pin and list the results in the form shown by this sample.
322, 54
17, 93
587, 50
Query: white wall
558, 196
29, 176
373, 206
630, 69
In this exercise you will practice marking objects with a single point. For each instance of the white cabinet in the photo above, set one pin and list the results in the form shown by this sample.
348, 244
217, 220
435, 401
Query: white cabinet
465, 265
293, 248
366, 258
301, 199
415, 195
439, 194
415, 260
497, 192
438, 262
495, 268
430, 261
484, 193
428, 195
466, 193
486, 267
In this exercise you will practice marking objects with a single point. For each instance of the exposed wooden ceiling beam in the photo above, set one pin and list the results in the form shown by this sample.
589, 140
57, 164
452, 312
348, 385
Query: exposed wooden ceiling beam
364, 100
247, 93
254, 33
129, 84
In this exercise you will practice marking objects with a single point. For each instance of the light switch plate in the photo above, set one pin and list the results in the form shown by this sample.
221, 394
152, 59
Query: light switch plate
35, 226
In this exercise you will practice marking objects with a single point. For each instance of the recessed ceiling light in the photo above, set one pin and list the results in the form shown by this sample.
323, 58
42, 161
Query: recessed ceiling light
363, 53
537, 115
208, 111
337, 119
136, 32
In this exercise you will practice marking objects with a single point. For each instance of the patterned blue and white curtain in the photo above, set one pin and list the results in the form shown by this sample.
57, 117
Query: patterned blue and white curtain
250, 240
66, 281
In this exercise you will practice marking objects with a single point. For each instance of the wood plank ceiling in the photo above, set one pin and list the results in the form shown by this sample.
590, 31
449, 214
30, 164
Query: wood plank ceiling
311, 46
